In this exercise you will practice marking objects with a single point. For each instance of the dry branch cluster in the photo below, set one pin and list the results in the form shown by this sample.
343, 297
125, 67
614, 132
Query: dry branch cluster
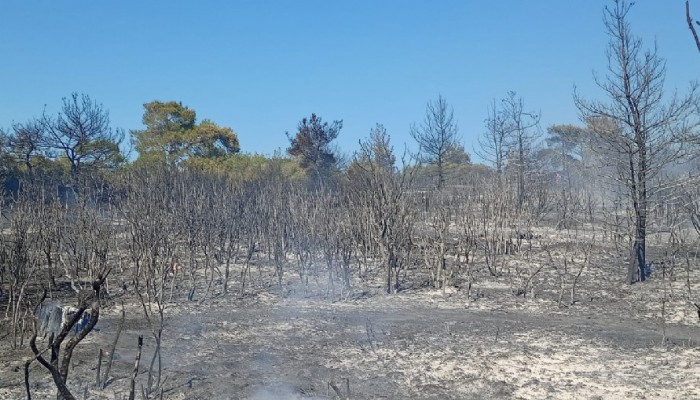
159, 237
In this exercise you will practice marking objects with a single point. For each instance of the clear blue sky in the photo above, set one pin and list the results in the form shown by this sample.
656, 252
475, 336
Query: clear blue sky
260, 66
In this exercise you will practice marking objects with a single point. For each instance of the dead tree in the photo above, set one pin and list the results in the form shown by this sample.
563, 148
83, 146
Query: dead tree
495, 142
276, 215
496, 216
19, 255
468, 232
188, 198
570, 261
436, 135
49, 233
230, 205
59, 362
690, 21
346, 241
328, 238
148, 209
521, 127
303, 233
82, 133
381, 190
213, 188
436, 241
251, 228
334, 236
86, 231
647, 132
85, 240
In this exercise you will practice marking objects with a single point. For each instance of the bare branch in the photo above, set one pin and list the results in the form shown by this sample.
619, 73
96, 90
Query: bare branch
690, 24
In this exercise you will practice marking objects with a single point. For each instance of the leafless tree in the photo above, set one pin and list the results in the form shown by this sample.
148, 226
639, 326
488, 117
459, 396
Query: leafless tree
570, 259
647, 132
381, 191
85, 240
346, 242
86, 231
329, 244
59, 363
496, 216
467, 221
495, 142
436, 240
521, 126
195, 199
229, 207
304, 232
436, 135
82, 132
214, 188
148, 210
19, 256
251, 227
276, 215
49, 209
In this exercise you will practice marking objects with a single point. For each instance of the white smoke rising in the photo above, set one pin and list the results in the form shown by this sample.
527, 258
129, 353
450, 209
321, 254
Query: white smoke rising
280, 392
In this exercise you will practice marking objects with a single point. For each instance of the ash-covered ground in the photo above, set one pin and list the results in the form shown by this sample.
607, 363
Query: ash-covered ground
297, 342
412, 345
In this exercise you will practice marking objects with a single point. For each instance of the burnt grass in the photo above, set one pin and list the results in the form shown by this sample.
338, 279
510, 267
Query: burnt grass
297, 342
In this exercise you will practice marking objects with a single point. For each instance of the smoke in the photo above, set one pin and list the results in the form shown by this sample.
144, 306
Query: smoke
281, 391
271, 364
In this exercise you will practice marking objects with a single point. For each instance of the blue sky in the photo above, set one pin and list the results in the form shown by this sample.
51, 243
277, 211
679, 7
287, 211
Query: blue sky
261, 66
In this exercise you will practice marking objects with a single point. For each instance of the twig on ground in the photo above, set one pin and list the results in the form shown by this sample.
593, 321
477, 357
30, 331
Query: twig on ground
112, 350
336, 389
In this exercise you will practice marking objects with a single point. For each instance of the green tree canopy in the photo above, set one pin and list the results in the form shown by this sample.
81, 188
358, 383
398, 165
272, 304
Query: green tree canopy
457, 155
173, 136
243, 167
311, 145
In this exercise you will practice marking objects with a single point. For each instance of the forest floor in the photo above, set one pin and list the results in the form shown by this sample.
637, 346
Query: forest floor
423, 343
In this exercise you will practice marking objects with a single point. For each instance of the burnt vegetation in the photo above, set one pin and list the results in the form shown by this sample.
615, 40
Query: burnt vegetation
562, 218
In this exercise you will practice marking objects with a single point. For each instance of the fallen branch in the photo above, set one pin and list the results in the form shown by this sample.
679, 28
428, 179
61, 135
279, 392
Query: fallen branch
99, 365
336, 389
112, 350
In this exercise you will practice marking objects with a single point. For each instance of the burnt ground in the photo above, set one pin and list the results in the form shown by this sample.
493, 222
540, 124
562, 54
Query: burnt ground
420, 343
616, 341
419, 351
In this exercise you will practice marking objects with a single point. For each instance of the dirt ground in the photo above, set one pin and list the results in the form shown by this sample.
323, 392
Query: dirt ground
291, 343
